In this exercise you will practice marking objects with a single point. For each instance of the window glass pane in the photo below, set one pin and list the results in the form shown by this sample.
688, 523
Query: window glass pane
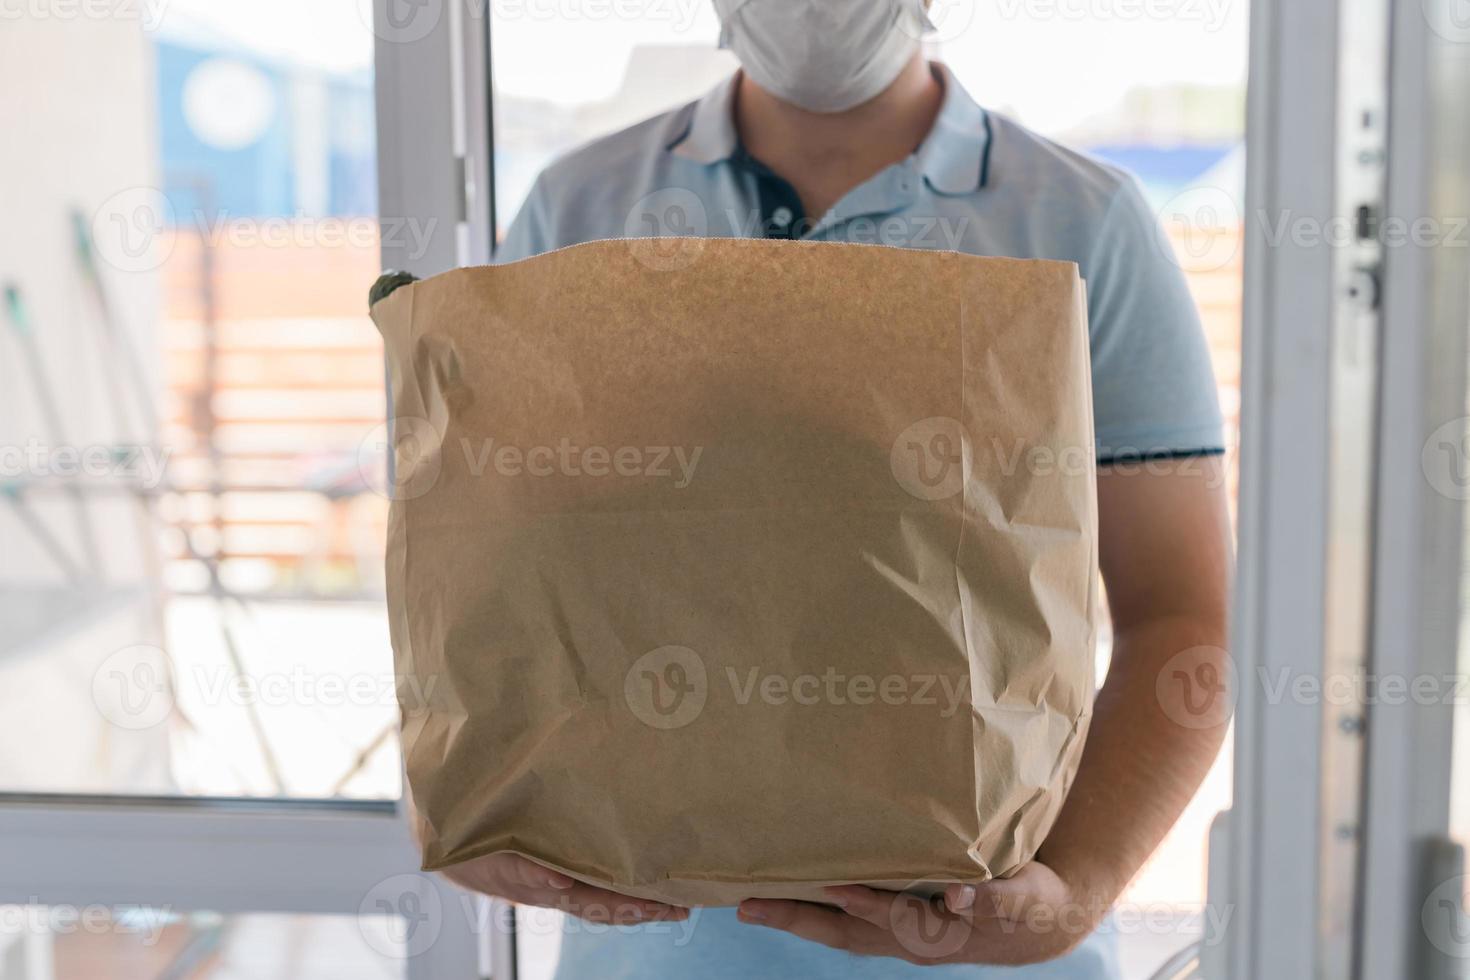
190, 395
566, 73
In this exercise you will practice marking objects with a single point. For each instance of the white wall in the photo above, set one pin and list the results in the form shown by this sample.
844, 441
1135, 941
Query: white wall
77, 131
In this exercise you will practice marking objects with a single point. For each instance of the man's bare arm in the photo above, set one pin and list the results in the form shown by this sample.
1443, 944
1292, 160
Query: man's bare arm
1160, 718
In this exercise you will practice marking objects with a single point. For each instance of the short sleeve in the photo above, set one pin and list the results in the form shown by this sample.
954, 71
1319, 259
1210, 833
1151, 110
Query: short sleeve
1153, 386
530, 233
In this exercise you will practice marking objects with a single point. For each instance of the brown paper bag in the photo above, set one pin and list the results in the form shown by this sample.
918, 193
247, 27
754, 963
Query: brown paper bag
725, 568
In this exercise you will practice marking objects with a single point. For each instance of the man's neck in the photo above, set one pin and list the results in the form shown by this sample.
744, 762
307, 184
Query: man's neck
824, 155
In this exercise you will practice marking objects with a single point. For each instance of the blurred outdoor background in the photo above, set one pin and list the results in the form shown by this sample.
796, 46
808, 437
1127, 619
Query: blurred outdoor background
191, 394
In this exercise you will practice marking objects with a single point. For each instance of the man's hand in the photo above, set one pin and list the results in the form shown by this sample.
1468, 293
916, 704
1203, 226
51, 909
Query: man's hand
523, 881
1029, 918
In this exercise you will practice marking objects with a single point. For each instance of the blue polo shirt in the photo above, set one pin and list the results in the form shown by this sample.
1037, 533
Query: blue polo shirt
981, 184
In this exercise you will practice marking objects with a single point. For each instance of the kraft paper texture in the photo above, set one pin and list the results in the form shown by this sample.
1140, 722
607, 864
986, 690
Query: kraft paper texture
732, 568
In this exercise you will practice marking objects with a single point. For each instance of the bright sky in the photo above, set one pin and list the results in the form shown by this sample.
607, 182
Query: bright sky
1055, 62
328, 34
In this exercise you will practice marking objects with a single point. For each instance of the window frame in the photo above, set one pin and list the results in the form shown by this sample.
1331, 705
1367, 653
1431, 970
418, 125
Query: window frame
1403, 353
1408, 847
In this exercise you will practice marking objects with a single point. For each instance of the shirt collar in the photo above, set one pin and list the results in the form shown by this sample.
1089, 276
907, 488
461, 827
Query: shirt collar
954, 158
710, 135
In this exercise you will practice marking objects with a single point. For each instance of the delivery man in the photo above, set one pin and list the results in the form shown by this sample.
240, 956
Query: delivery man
836, 129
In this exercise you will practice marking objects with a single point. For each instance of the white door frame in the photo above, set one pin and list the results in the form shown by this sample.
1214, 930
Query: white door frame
1317, 135
1419, 573
1350, 560
1281, 596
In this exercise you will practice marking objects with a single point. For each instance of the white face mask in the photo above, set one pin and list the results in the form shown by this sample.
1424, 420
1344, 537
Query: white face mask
822, 55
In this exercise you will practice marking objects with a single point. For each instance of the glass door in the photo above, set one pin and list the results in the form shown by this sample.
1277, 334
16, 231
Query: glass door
199, 763
1343, 857
191, 543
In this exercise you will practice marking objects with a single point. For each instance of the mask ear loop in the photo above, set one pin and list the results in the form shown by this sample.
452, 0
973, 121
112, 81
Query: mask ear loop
922, 21
925, 23
727, 12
